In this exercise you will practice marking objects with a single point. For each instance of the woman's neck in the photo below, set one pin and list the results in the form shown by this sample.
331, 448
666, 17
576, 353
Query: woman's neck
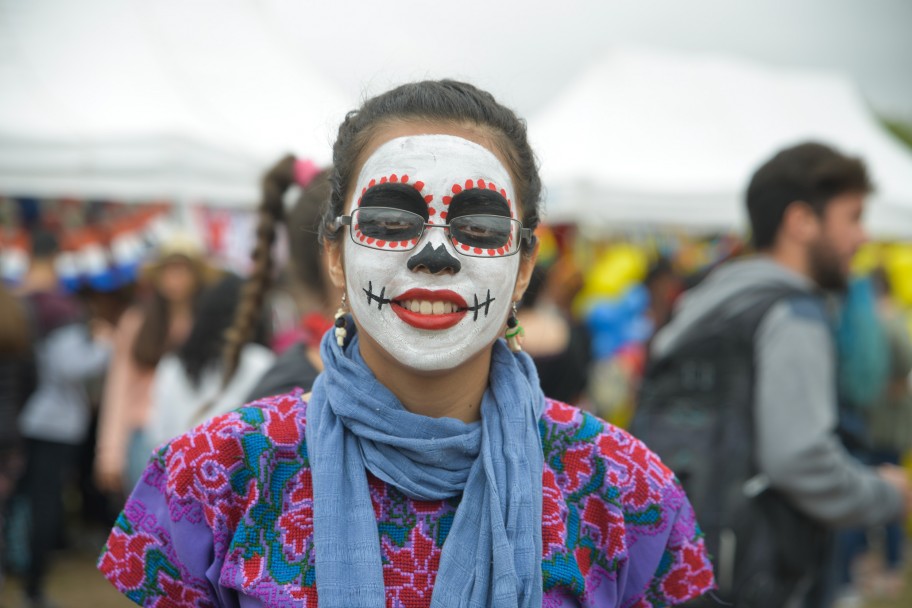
455, 393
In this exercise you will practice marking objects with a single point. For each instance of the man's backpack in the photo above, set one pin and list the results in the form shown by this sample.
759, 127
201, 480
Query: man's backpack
696, 411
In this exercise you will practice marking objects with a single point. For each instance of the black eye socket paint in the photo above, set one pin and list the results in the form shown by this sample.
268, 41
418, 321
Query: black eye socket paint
396, 196
478, 201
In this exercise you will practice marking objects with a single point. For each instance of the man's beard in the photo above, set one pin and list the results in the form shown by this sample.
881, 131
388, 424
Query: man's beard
825, 268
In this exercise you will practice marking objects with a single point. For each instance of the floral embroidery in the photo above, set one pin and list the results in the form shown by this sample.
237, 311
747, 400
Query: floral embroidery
614, 519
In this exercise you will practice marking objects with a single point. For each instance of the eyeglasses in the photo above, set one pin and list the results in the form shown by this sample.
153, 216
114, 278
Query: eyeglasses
475, 235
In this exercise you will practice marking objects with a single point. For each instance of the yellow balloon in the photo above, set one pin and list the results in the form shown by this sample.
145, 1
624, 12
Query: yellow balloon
868, 257
898, 264
616, 270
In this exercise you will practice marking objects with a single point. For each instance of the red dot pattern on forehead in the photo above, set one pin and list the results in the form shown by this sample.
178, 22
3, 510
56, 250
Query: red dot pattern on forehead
479, 184
393, 179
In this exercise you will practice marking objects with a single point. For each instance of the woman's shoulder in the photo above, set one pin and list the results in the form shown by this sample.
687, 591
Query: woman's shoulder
232, 449
613, 511
572, 437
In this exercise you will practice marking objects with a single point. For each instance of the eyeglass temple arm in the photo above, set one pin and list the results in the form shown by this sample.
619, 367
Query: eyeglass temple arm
342, 220
527, 235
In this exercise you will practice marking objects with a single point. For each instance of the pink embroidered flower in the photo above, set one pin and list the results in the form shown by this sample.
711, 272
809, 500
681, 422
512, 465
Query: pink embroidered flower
253, 570
124, 561
558, 412
410, 571
283, 427
193, 458
296, 529
553, 529
583, 557
608, 524
577, 463
692, 574
303, 487
640, 493
178, 595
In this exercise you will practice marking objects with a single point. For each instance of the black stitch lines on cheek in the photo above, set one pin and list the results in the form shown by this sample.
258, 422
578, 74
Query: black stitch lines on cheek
372, 297
486, 305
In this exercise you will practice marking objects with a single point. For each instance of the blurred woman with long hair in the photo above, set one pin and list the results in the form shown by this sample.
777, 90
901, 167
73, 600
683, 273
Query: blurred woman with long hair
145, 333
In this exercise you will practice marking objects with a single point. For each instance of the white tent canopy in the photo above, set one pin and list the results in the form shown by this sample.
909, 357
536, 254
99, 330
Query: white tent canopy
655, 138
167, 100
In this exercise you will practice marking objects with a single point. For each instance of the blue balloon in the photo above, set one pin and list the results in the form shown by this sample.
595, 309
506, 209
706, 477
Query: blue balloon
638, 330
606, 344
636, 300
606, 314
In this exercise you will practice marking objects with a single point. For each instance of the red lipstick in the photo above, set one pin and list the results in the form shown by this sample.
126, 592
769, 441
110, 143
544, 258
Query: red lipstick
430, 321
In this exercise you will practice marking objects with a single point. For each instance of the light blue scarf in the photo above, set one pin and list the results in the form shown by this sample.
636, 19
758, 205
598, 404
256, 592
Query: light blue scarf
492, 555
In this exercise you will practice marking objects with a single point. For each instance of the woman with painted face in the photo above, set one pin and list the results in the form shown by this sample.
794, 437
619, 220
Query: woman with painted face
426, 468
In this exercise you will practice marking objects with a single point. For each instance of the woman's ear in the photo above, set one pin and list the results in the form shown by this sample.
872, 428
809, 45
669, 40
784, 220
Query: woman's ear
526, 266
332, 253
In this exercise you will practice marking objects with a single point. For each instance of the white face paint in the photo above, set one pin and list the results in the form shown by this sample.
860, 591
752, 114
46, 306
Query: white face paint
434, 316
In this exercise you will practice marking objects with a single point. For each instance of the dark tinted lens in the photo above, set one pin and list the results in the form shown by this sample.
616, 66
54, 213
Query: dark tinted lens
483, 231
387, 224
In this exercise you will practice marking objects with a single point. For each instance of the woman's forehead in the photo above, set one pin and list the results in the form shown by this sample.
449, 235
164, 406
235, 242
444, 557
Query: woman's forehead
434, 155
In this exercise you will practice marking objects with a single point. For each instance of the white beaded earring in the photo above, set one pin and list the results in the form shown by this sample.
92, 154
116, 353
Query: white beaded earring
341, 332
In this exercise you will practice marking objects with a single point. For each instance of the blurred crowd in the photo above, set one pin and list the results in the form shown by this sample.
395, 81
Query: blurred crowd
92, 382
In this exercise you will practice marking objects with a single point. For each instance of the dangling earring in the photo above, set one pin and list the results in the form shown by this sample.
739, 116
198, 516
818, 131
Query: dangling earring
515, 332
341, 332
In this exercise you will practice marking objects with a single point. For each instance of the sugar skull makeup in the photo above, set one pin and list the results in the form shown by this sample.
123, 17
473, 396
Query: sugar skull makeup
431, 259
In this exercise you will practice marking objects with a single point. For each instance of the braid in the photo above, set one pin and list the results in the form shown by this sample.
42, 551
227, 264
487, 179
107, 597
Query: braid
272, 212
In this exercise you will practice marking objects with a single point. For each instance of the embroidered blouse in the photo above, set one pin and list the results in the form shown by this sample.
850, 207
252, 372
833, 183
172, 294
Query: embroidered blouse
223, 516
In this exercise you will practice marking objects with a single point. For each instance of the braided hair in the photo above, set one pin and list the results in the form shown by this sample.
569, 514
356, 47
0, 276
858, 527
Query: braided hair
304, 245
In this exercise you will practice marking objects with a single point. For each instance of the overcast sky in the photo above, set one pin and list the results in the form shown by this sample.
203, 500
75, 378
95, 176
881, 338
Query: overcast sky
525, 52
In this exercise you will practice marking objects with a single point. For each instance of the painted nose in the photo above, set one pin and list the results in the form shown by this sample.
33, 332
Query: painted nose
434, 260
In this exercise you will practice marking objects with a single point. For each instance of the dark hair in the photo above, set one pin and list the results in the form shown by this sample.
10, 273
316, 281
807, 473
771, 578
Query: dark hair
213, 315
446, 101
536, 284
152, 340
812, 173
303, 223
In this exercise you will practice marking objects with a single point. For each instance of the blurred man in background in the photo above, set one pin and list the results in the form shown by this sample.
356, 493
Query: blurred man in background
751, 351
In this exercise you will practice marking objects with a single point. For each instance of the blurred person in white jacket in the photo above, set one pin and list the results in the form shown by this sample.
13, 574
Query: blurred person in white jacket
190, 384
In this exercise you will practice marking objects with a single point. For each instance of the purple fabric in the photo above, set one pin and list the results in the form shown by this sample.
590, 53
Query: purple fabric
223, 517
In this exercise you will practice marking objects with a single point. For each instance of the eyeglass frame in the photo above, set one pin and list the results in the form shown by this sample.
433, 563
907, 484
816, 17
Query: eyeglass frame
526, 235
